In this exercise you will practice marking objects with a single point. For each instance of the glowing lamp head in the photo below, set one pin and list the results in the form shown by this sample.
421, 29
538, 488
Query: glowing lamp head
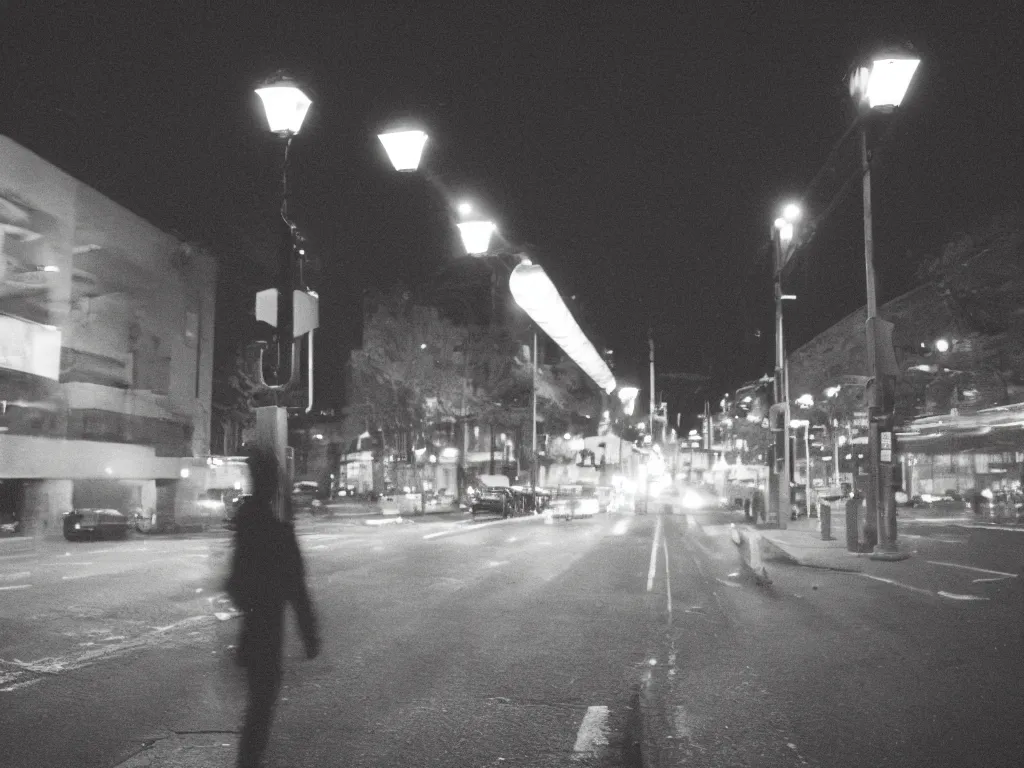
884, 81
285, 104
476, 236
942, 345
792, 212
404, 148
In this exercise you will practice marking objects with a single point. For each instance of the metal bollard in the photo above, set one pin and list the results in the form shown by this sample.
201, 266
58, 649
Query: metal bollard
852, 515
825, 521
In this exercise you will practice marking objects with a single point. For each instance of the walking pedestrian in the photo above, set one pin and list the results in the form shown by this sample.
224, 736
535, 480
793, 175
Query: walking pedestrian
266, 573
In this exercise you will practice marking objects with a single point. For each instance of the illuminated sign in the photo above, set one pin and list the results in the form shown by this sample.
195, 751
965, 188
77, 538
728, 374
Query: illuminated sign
29, 347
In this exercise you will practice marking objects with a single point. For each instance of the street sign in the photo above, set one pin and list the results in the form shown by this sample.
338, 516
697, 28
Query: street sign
306, 310
886, 446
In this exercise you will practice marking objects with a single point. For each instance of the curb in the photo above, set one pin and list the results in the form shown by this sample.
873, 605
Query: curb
764, 547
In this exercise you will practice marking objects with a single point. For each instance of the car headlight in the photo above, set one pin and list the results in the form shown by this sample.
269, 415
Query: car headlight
692, 500
78, 526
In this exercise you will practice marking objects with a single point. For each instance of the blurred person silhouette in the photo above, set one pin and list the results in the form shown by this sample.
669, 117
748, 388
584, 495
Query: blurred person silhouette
266, 573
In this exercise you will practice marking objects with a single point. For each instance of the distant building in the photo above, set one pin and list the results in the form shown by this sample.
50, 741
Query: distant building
106, 351
959, 417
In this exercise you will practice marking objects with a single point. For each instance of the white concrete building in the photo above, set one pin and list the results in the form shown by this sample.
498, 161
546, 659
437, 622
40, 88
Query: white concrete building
106, 351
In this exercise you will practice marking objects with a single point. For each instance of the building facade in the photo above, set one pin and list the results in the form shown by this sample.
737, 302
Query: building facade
960, 419
106, 351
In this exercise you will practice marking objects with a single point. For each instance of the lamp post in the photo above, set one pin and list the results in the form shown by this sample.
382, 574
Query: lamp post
285, 106
879, 86
782, 240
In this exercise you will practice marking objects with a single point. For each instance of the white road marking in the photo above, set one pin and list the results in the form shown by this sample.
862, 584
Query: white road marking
620, 527
77, 576
956, 596
75, 563
22, 684
668, 580
593, 732
15, 586
654, 556
896, 583
972, 568
681, 721
477, 526
988, 581
1017, 529
15, 576
938, 539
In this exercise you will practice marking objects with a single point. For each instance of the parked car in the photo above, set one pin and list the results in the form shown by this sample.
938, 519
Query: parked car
572, 501
492, 500
95, 524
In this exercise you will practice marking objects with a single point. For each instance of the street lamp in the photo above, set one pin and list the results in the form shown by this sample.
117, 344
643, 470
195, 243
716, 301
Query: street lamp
285, 106
782, 240
476, 236
879, 85
404, 148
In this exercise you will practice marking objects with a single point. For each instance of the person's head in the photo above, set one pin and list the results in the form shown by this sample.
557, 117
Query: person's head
263, 472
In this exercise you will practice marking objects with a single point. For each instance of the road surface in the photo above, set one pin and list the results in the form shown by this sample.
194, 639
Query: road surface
619, 640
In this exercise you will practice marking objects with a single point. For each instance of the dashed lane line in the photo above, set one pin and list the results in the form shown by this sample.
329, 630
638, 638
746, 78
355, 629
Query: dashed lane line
957, 596
12, 587
593, 731
15, 576
973, 568
654, 556
478, 526
895, 583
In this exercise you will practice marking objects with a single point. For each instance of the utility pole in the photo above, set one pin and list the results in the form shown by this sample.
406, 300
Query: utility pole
533, 463
650, 343
779, 474
881, 504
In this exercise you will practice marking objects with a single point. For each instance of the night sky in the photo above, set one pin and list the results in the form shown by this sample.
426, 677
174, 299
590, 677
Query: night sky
639, 150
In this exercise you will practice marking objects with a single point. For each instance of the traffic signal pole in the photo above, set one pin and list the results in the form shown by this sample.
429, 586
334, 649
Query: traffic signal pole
779, 493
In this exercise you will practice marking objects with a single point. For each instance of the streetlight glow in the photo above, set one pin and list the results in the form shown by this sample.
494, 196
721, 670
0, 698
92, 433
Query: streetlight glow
476, 236
286, 106
627, 396
404, 148
884, 82
942, 345
464, 208
792, 212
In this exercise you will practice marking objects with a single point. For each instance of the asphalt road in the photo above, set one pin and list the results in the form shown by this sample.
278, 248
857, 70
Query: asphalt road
611, 641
